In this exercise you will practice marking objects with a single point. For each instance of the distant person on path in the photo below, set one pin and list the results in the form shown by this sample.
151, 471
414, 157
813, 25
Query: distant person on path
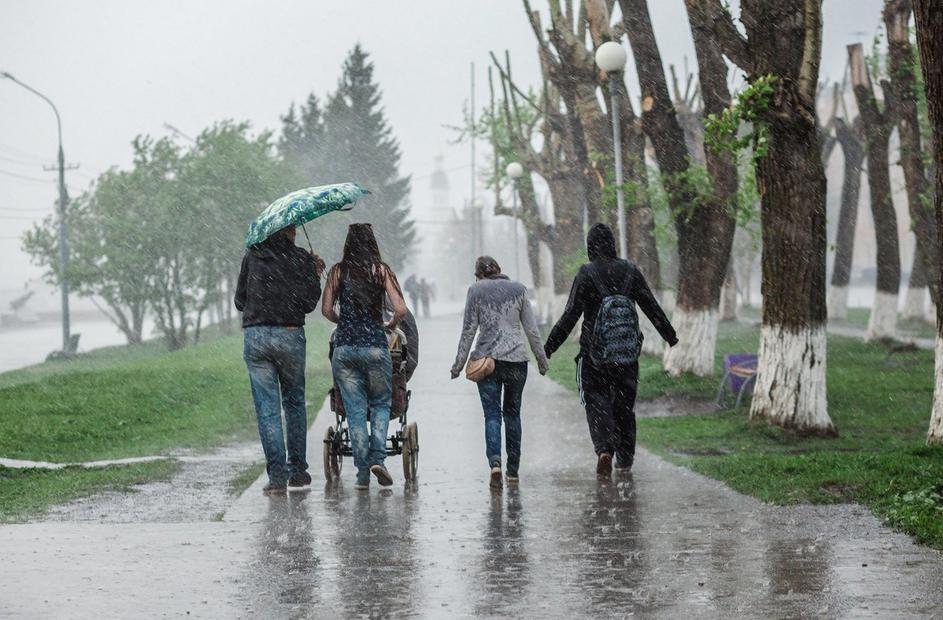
411, 286
363, 371
496, 308
425, 296
279, 283
608, 392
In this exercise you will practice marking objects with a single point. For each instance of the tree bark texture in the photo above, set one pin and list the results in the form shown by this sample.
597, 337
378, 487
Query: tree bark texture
901, 59
929, 18
705, 231
784, 40
853, 152
877, 126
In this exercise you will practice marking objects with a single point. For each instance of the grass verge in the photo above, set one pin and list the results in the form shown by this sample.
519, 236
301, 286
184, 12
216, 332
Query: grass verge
880, 404
27, 493
129, 401
245, 478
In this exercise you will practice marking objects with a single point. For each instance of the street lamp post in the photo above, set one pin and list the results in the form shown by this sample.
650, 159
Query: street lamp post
611, 57
515, 171
63, 202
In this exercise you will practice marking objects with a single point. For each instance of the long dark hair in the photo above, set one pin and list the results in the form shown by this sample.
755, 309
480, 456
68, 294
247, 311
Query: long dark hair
361, 259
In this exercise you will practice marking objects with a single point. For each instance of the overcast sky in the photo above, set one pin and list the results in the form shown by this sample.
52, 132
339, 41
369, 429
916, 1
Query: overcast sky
118, 68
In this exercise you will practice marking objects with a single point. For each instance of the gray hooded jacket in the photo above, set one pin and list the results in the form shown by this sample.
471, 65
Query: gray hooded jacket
497, 308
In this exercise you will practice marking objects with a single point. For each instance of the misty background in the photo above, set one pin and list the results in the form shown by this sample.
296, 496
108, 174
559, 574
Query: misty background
119, 69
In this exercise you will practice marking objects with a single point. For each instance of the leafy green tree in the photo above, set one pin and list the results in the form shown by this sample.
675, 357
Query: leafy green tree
108, 249
350, 140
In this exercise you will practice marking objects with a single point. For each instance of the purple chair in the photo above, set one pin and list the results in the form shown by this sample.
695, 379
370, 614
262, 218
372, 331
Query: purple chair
739, 376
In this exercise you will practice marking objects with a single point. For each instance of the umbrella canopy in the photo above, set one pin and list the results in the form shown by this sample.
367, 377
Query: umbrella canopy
303, 206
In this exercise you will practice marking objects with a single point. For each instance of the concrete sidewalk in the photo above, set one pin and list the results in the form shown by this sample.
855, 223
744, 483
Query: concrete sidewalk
661, 542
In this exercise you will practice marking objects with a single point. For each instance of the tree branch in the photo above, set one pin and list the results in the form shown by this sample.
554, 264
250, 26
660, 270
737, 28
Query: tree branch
811, 51
718, 19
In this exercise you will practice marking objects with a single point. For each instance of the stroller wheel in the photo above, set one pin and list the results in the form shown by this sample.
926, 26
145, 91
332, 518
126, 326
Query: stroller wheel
333, 461
410, 452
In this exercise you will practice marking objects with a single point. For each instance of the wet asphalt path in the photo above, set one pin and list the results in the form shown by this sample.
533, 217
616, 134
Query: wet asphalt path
661, 542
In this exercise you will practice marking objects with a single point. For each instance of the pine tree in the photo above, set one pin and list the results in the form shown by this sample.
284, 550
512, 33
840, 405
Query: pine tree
350, 140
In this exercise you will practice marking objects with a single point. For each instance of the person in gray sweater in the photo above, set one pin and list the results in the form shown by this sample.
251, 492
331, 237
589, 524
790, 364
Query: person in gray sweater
497, 310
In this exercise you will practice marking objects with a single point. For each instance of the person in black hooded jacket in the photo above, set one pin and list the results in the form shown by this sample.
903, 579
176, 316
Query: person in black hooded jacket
607, 394
279, 283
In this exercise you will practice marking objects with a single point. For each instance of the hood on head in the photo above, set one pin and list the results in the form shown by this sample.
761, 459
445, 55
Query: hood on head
600, 242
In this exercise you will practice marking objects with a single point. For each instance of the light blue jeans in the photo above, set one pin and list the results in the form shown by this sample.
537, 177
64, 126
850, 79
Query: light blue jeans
275, 357
364, 376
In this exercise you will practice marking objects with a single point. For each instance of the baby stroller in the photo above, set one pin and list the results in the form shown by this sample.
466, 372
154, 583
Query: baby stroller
404, 441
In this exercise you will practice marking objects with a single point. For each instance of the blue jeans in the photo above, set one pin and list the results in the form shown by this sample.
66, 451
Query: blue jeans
508, 377
275, 357
364, 376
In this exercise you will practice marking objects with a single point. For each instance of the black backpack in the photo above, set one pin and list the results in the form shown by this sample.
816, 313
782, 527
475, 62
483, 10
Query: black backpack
617, 339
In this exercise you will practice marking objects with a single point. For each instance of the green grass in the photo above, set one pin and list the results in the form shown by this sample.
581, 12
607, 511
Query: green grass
137, 401
128, 401
245, 478
881, 407
29, 492
858, 319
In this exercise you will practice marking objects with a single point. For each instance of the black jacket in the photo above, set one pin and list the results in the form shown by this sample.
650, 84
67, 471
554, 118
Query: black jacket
277, 284
585, 300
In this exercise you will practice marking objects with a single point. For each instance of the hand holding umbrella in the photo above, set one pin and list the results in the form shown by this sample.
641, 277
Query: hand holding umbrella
303, 206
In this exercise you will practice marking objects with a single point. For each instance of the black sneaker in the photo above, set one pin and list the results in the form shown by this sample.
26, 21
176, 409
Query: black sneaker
383, 476
623, 464
299, 480
274, 489
604, 466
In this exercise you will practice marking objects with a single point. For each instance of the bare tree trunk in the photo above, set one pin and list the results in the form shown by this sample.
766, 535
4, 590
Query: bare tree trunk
728, 297
784, 39
915, 302
877, 127
929, 19
901, 59
847, 218
705, 231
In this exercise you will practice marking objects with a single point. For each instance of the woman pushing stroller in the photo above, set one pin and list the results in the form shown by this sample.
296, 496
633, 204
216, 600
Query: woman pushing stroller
354, 299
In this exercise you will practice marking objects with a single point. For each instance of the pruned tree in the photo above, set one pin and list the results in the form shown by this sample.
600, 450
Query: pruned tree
902, 61
877, 126
568, 65
781, 52
511, 126
849, 139
929, 19
704, 221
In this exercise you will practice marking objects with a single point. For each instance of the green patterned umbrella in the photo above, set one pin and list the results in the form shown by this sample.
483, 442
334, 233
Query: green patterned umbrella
303, 206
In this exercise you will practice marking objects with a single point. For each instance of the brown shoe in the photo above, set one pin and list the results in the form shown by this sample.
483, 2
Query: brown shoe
496, 479
274, 489
604, 466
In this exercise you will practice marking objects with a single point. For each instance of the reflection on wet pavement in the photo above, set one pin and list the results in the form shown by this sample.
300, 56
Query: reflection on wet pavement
661, 541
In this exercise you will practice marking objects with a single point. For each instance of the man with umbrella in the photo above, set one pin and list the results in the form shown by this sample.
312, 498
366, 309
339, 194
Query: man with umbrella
279, 283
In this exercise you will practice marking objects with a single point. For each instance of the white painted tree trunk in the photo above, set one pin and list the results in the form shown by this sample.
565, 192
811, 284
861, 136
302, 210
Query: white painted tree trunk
790, 380
838, 303
697, 341
930, 316
915, 304
883, 321
935, 434
652, 344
